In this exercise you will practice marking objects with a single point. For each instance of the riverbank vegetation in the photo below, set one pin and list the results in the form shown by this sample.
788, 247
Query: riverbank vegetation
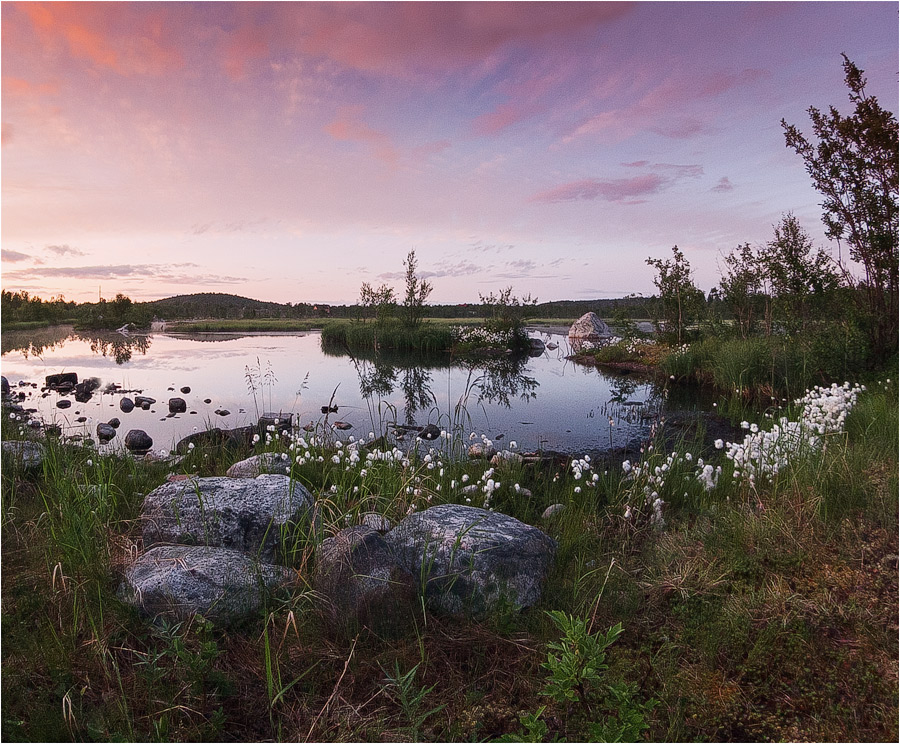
754, 602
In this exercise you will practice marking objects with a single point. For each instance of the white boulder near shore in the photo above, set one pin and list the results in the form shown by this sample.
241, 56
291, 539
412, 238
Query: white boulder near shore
589, 331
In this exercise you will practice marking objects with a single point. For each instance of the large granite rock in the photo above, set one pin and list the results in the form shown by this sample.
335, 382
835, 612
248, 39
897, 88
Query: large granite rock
178, 581
29, 455
472, 561
362, 582
255, 516
268, 462
589, 330
127, 405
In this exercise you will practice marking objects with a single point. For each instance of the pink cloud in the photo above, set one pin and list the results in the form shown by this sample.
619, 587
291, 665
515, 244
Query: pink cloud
664, 108
348, 128
107, 35
403, 38
505, 115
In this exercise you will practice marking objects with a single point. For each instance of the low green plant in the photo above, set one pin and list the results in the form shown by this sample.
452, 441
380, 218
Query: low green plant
403, 690
577, 669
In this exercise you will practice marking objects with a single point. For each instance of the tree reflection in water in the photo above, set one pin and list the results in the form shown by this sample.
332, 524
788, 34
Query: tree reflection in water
115, 345
494, 380
33, 343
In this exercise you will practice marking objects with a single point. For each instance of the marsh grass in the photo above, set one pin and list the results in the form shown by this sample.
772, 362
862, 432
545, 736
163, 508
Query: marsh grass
755, 613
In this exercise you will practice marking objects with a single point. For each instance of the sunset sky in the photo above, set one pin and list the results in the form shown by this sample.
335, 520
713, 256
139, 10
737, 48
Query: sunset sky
290, 151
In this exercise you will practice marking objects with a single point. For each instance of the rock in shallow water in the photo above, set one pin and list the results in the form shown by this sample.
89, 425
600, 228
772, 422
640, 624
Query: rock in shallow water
178, 581
137, 440
473, 561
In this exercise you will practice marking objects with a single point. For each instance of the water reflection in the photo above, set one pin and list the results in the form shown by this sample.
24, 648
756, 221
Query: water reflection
111, 344
495, 381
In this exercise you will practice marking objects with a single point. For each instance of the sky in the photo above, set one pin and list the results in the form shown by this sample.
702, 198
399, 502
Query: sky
291, 151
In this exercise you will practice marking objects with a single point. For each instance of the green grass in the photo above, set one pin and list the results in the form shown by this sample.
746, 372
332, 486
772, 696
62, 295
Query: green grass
249, 325
756, 614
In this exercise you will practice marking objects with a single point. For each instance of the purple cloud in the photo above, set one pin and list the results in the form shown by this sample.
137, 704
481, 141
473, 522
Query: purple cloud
723, 185
613, 190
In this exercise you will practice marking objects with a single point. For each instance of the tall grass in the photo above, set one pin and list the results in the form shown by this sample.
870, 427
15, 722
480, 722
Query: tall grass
392, 336
763, 367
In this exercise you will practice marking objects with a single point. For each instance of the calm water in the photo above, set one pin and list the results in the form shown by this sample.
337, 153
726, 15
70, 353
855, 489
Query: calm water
541, 402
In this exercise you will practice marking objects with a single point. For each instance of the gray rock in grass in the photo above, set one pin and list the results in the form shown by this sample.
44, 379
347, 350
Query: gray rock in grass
255, 516
178, 581
29, 454
472, 561
268, 462
362, 582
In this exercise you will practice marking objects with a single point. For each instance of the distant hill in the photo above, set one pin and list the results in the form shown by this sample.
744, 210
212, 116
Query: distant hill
216, 305
219, 305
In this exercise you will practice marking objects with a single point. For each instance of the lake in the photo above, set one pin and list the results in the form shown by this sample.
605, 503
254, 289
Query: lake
542, 402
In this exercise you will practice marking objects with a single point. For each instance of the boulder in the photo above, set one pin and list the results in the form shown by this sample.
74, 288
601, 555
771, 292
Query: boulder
4, 385
268, 462
472, 561
105, 432
127, 405
64, 403
233, 438
376, 521
506, 459
362, 582
185, 390
481, 451
138, 440
256, 516
430, 433
279, 422
63, 378
177, 405
589, 330
536, 346
552, 510
114, 423
143, 400
29, 454
223, 412
178, 581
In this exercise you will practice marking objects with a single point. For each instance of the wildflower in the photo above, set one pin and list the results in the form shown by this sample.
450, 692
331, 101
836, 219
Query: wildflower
719, 444
190, 445
465, 478
256, 439
513, 445
89, 463
577, 489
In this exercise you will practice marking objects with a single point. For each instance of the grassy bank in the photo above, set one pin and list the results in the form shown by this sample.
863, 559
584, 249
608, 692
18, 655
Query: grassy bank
247, 325
760, 610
